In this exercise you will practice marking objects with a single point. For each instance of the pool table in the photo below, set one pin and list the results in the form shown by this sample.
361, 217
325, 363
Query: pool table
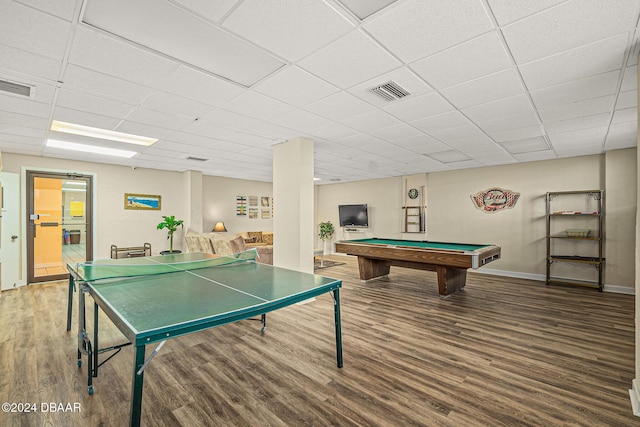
449, 260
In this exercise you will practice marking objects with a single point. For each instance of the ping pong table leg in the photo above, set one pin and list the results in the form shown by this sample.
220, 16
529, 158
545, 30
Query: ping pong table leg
336, 311
72, 286
95, 340
136, 386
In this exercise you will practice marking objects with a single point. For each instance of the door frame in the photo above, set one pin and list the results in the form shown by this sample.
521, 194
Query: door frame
91, 220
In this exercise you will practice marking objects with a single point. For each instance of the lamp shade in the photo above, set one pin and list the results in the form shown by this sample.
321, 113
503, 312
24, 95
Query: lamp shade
219, 227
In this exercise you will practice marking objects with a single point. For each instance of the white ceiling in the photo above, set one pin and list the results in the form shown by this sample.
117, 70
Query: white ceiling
491, 82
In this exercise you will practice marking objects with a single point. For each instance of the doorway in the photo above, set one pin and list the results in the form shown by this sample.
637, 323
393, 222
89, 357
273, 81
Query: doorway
59, 223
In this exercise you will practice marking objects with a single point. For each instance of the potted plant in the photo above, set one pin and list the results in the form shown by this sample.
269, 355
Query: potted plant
326, 234
171, 224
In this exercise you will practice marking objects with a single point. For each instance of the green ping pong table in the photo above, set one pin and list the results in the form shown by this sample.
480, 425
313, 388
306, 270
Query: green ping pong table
153, 299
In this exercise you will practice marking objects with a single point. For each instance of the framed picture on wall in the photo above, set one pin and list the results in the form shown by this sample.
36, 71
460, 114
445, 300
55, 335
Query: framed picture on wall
253, 213
142, 201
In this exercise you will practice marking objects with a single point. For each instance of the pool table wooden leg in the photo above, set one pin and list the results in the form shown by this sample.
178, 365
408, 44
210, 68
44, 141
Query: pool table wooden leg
372, 268
450, 279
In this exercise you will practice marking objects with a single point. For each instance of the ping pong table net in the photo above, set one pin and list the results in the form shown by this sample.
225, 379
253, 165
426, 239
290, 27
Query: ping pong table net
111, 269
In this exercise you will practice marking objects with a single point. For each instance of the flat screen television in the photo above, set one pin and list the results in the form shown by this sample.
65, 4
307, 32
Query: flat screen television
353, 215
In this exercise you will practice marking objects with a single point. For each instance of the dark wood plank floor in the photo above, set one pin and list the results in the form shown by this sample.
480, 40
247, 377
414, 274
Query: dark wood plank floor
503, 352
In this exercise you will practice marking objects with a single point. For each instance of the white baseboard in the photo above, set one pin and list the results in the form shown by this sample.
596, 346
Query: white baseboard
634, 394
538, 277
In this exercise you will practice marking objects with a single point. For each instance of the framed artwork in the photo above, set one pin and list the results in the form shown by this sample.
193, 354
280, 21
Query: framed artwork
142, 201
266, 213
264, 201
253, 200
253, 213
241, 206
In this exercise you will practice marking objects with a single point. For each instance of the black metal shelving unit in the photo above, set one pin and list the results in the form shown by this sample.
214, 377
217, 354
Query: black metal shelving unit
581, 218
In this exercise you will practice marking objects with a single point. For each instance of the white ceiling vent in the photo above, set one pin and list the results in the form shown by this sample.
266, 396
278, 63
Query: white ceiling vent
390, 91
197, 159
15, 88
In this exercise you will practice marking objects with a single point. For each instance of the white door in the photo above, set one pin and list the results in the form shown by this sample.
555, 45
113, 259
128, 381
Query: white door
10, 239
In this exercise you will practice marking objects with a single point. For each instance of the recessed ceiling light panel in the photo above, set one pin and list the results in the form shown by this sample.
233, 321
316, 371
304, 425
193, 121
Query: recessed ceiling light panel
85, 148
92, 132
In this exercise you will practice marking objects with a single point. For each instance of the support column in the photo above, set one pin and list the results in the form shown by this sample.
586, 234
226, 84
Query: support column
293, 233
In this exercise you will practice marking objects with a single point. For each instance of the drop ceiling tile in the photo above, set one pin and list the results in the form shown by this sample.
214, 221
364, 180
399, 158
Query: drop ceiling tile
29, 132
584, 61
622, 135
449, 156
625, 115
275, 132
370, 121
92, 104
174, 104
587, 107
290, 28
203, 128
172, 31
403, 30
229, 119
395, 132
105, 54
627, 99
578, 90
365, 8
578, 123
450, 136
333, 131
528, 145
630, 79
211, 10
410, 109
257, 105
590, 136
61, 8
25, 28
158, 119
579, 150
422, 144
142, 129
28, 63
514, 134
339, 106
300, 120
17, 119
350, 60
403, 77
496, 86
507, 11
518, 104
470, 60
295, 86
568, 25
20, 105
448, 120
104, 84
200, 86
41, 93
535, 156
517, 121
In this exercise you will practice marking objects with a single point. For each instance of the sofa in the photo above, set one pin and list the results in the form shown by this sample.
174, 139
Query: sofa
225, 244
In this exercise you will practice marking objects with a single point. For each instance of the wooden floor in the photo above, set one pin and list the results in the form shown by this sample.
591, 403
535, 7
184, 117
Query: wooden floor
502, 352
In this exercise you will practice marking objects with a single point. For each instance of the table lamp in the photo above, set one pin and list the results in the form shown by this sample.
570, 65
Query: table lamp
219, 227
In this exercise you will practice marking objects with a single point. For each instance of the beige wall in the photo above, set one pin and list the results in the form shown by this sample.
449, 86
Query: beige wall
450, 213
219, 203
519, 231
114, 224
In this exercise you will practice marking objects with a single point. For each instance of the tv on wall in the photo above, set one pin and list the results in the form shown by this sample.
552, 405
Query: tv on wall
353, 215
